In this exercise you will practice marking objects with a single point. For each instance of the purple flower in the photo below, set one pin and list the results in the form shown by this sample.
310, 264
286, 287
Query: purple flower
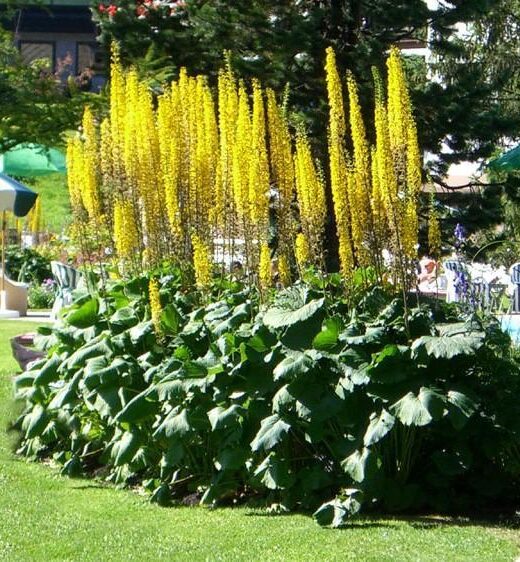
460, 233
461, 284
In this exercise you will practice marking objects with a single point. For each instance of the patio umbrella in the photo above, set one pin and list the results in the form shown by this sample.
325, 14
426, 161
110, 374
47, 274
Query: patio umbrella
18, 199
508, 162
30, 160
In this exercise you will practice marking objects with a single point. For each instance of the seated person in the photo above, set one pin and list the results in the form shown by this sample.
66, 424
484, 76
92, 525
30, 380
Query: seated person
427, 277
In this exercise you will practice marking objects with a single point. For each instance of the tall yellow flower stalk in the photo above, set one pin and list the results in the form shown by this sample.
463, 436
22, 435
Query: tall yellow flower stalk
281, 158
201, 262
338, 164
90, 190
223, 211
434, 232
264, 268
259, 165
118, 115
360, 187
75, 174
155, 305
310, 189
126, 236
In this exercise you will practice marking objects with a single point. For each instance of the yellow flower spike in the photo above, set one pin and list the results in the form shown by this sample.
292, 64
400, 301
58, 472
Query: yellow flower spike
75, 173
310, 189
90, 190
280, 147
434, 233
201, 262
264, 269
284, 270
241, 155
302, 250
155, 305
259, 166
359, 194
126, 236
413, 161
338, 165
399, 112
335, 95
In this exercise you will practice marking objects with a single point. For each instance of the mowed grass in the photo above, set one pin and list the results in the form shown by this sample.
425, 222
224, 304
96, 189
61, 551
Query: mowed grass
44, 517
55, 203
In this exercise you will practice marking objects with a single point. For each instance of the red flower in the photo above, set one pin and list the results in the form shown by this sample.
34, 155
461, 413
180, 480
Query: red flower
101, 8
112, 10
141, 11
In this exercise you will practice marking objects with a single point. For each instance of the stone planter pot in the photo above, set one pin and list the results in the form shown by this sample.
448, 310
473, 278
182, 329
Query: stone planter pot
23, 351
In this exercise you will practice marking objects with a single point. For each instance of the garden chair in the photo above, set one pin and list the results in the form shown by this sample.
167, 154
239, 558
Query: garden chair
67, 279
14, 297
452, 270
514, 271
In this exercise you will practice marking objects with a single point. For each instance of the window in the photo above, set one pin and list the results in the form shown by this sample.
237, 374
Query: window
86, 56
32, 51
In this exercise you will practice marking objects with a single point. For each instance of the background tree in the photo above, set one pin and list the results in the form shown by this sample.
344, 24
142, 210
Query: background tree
37, 106
284, 42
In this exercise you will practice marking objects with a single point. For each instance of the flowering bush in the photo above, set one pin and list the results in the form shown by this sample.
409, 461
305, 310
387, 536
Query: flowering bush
42, 295
167, 178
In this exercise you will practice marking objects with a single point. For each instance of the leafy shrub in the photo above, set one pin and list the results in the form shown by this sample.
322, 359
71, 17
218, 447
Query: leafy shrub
27, 265
309, 401
43, 295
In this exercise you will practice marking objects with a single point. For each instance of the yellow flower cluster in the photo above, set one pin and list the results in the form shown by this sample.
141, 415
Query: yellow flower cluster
201, 262
375, 189
338, 165
265, 276
310, 188
189, 176
434, 233
125, 232
34, 218
155, 304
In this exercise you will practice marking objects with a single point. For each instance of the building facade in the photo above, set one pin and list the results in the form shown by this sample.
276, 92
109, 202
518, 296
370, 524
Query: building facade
62, 32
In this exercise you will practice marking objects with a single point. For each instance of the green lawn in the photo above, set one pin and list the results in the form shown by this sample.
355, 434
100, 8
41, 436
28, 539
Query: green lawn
54, 201
46, 517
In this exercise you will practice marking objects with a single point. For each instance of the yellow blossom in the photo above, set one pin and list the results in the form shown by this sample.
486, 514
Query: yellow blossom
155, 305
201, 262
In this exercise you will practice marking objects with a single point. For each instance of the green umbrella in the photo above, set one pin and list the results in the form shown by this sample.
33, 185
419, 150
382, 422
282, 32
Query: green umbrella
508, 162
29, 160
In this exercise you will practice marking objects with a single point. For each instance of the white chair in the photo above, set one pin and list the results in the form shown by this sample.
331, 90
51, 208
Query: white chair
15, 296
67, 279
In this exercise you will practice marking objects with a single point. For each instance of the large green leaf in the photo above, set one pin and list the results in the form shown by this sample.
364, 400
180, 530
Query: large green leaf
327, 339
232, 458
447, 347
337, 512
176, 424
277, 317
124, 449
124, 318
49, 372
378, 427
460, 408
272, 430
84, 316
35, 422
295, 364
420, 409
360, 464
221, 418
390, 365
138, 409
275, 473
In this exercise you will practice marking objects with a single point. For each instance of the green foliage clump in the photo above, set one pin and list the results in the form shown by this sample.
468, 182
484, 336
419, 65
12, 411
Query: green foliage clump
308, 403
27, 265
